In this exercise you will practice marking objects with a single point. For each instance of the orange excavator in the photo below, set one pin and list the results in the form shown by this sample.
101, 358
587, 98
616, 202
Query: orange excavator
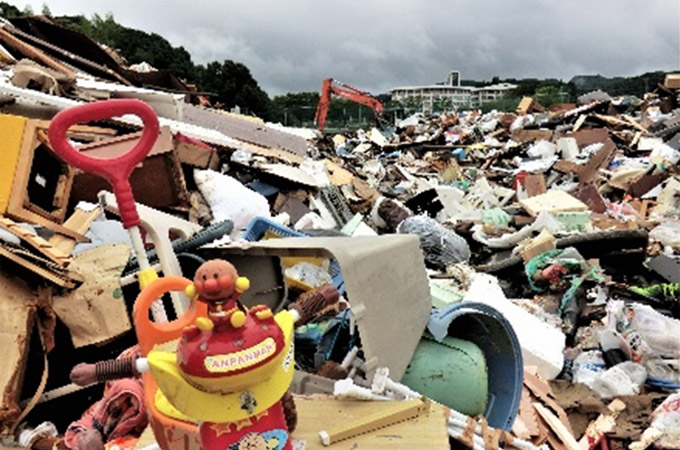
330, 86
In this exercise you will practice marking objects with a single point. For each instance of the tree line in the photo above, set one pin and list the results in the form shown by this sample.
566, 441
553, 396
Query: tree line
232, 84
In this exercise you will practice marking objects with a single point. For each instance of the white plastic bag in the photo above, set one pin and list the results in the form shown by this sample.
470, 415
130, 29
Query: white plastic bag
230, 200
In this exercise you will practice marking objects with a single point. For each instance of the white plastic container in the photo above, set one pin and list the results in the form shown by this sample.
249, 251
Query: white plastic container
542, 344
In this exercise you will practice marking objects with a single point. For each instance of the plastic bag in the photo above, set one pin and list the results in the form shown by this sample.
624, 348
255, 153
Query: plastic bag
666, 418
668, 233
622, 379
587, 367
230, 200
441, 246
647, 337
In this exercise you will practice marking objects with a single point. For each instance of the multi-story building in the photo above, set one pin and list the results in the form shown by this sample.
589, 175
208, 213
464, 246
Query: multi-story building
451, 94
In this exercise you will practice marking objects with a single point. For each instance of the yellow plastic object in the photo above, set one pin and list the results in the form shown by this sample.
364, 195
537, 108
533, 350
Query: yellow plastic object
11, 137
265, 314
165, 407
190, 291
146, 277
220, 408
242, 284
204, 324
238, 319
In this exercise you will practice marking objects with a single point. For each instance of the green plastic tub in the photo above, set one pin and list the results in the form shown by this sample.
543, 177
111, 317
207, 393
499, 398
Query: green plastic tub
452, 372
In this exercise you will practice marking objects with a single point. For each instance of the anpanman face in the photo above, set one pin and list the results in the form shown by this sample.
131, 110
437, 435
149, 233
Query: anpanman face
215, 279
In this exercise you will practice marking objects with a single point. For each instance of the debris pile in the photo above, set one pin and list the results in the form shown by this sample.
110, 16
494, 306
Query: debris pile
520, 269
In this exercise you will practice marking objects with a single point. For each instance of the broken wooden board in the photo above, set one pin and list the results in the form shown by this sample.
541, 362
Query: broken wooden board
534, 183
523, 135
338, 175
557, 427
319, 412
35, 241
605, 423
579, 122
527, 416
552, 201
599, 160
195, 153
282, 155
65, 279
589, 136
17, 314
79, 222
565, 166
96, 311
589, 195
542, 391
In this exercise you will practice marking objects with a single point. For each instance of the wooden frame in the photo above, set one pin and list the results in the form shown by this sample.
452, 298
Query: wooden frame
20, 206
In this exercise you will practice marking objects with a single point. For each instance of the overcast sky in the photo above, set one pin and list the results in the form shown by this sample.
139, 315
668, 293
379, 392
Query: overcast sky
375, 45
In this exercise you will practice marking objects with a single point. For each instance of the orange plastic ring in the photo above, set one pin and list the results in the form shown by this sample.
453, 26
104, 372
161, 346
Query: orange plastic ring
150, 333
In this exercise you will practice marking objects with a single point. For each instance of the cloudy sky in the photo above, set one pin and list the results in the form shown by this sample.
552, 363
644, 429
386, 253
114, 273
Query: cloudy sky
375, 45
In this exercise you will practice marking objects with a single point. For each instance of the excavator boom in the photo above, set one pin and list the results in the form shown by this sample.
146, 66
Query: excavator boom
330, 87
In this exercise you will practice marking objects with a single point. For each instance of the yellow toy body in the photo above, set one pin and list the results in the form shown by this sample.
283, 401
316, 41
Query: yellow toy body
179, 389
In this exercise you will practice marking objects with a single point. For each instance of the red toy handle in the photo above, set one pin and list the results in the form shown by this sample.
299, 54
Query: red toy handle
115, 170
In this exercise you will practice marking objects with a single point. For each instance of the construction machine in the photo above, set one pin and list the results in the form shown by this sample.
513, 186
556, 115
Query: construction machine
330, 86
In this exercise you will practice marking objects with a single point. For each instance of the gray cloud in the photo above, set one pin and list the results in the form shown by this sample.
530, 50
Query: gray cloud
376, 45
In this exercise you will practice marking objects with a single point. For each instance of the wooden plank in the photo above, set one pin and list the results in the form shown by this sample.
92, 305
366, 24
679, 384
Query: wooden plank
68, 283
558, 427
599, 160
611, 120
79, 222
605, 423
35, 241
393, 413
35, 54
579, 122
282, 155
635, 124
320, 412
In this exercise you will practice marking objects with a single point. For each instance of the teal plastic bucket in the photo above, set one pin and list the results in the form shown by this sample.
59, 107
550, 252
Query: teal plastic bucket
486, 328
452, 372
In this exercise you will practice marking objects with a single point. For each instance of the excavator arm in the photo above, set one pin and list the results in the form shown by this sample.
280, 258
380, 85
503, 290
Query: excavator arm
330, 86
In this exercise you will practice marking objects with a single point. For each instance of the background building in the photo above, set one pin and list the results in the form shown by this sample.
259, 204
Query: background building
450, 94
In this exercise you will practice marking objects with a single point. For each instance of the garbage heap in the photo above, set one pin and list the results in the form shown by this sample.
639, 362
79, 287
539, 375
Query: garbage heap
521, 268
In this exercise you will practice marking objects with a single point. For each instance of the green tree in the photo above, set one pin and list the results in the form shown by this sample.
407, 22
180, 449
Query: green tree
28, 11
46, 10
295, 109
9, 11
234, 85
547, 95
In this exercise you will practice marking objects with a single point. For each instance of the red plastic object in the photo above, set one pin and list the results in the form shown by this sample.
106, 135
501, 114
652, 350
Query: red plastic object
115, 170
